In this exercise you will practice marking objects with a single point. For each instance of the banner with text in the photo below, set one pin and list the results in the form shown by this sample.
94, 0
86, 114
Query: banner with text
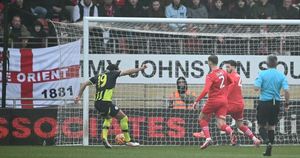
44, 73
148, 126
27, 126
165, 69
151, 126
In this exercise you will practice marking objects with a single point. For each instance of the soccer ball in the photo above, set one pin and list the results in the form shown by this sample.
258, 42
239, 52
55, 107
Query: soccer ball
120, 139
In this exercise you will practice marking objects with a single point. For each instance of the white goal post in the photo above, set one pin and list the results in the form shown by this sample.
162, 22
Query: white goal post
171, 47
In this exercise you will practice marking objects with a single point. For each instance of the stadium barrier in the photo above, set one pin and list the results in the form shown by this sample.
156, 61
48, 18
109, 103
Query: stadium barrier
154, 126
150, 126
27, 126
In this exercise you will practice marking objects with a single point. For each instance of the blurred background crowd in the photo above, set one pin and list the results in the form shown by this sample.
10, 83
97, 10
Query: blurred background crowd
29, 23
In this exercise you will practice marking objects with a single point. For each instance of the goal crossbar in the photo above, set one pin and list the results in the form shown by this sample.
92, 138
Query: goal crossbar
194, 21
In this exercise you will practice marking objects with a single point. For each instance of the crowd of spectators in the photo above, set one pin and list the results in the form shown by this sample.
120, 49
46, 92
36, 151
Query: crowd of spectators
28, 18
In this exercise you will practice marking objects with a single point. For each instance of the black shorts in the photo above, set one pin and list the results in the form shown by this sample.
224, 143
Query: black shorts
267, 112
107, 108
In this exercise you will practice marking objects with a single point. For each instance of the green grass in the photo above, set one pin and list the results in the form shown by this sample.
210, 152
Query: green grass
145, 152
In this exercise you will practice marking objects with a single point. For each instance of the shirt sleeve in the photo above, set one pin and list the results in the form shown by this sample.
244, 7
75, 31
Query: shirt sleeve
285, 84
208, 83
96, 11
168, 12
76, 14
230, 80
188, 13
116, 74
230, 87
258, 81
205, 12
93, 80
185, 12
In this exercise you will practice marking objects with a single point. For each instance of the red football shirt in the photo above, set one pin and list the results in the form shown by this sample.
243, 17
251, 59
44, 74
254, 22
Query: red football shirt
216, 86
235, 97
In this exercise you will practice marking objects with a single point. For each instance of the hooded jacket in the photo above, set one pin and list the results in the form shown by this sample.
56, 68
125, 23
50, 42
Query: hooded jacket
182, 98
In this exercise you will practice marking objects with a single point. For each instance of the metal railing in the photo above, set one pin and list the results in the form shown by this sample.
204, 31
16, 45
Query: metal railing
24, 42
164, 102
148, 45
17, 102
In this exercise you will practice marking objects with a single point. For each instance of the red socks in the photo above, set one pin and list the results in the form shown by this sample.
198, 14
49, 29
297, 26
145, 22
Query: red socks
205, 129
227, 129
247, 131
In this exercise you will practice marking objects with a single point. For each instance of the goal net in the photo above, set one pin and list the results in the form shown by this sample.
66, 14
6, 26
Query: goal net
159, 110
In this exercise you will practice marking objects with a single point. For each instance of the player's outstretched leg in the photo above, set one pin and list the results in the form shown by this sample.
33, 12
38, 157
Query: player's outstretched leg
201, 133
226, 128
124, 126
105, 128
248, 132
205, 129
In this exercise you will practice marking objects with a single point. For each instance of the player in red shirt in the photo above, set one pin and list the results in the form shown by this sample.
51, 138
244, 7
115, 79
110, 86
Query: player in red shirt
236, 101
216, 84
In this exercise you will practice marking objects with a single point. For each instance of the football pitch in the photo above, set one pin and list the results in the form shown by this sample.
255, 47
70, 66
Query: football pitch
145, 152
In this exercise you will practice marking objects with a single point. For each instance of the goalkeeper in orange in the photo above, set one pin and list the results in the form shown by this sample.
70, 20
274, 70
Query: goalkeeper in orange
105, 84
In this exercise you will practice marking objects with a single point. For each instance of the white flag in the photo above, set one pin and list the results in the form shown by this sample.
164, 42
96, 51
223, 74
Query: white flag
44, 76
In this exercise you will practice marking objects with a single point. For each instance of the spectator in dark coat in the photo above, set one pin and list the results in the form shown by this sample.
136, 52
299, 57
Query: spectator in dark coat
266, 10
39, 36
219, 11
145, 4
133, 9
240, 10
287, 11
120, 3
253, 9
197, 10
58, 11
18, 32
156, 10
108, 9
23, 10
1, 15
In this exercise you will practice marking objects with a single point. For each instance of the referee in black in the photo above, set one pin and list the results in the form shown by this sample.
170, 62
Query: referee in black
270, 82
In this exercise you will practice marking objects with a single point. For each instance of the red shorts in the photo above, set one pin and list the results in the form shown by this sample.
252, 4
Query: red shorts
236, 113
219, 108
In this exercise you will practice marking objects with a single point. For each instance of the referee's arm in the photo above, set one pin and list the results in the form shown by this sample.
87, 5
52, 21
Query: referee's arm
258, 82
285, 87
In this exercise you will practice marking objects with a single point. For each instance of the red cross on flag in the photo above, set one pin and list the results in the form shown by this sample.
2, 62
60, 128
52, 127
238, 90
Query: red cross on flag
44, 76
